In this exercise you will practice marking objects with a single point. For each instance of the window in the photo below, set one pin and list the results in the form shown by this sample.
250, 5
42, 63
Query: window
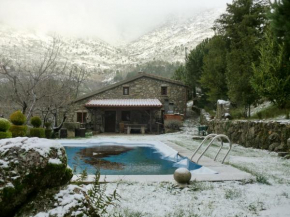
171, 108
81, 117
163, 91
125, 90
126, 116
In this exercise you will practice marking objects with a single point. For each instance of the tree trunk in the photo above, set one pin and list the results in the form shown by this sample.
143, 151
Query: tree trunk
56, 129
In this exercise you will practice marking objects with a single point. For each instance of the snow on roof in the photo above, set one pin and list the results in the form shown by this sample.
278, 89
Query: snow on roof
124, 103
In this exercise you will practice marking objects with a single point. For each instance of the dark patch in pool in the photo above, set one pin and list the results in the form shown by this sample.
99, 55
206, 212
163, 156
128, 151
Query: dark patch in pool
94, 155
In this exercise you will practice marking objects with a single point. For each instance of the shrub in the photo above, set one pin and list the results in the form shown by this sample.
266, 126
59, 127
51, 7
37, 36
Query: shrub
37, 132
172, 124
71, 126
17, 118
98, 200
47, 125
48, 133
262, 179
4, 135
4, 125
18, 130
260, 115
35, 121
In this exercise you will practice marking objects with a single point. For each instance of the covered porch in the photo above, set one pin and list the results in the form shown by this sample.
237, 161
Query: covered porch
125, 115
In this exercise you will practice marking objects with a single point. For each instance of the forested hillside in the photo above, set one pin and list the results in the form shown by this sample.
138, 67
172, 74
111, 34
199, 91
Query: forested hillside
246, 61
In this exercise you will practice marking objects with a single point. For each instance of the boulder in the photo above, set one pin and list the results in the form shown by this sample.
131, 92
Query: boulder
28, 166
274, 146
67, 200
281, 147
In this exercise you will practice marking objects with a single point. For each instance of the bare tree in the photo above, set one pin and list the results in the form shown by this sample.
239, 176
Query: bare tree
41, 81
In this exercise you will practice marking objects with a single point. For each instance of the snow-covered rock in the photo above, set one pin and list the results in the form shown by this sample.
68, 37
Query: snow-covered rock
27, 166
68, 200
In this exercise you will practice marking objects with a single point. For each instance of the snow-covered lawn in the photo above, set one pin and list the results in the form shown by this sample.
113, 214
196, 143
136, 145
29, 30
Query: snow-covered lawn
270, 196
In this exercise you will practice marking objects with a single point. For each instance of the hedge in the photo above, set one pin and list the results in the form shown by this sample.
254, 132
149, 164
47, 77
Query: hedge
37, 132
4, 135
18, 131
48, 133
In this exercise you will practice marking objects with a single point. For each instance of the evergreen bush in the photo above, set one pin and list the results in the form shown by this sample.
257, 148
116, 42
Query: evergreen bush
18, 130
37, 132
48, 130
35, 121
48, 133
4, 125
4, 135
17, 118
47, 125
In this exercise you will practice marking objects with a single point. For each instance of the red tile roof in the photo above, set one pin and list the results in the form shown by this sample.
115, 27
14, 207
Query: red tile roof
124, 103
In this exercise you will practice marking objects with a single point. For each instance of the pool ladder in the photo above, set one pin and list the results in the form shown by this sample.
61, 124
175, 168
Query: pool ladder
213, 137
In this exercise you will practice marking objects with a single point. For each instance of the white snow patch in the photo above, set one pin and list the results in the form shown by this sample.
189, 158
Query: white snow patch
203, 170
189, 103
54, 161
223, 102
42, 214
42, 146
4, 164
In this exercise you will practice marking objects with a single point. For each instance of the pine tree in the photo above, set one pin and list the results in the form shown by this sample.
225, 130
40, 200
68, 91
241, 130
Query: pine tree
214, 67
280, 23
194, 64
270, 79
243, 26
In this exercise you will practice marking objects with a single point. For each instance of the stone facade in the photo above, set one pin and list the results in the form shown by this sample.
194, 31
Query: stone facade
271, 136
143, 86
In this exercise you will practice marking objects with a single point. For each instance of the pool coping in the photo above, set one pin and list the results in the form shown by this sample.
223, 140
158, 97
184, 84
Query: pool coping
225, 172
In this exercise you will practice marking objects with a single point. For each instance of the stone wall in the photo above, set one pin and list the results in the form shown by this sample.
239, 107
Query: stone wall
141, 88
272, 136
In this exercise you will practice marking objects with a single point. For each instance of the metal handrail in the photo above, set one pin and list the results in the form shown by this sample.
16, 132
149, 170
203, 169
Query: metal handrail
215, 136
206, 138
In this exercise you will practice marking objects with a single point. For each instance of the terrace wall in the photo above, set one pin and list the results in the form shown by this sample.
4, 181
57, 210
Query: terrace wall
272, 136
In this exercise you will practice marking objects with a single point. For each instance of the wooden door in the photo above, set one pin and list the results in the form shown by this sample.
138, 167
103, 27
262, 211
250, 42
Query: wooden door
110, 121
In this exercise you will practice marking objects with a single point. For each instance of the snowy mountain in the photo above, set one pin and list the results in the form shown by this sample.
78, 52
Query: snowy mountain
166, 42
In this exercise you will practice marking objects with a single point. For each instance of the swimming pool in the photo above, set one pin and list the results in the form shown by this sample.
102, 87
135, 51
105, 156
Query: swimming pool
125, 158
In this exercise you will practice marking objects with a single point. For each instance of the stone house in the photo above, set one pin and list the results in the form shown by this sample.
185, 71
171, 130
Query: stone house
138, 102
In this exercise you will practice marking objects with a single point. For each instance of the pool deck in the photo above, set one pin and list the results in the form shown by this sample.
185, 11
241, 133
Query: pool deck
225, 172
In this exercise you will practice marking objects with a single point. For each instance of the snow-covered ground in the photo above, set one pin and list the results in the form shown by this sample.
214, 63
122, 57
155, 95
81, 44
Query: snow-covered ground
269, 196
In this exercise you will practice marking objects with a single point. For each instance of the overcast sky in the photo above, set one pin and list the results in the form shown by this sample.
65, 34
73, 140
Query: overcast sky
109, 20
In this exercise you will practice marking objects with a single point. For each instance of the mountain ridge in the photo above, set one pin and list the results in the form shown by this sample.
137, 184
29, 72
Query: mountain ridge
167, 42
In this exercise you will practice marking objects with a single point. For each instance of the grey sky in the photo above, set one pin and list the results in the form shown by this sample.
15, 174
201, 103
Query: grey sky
109, 20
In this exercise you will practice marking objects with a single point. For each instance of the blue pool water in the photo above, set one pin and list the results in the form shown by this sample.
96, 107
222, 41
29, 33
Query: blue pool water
124, 160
